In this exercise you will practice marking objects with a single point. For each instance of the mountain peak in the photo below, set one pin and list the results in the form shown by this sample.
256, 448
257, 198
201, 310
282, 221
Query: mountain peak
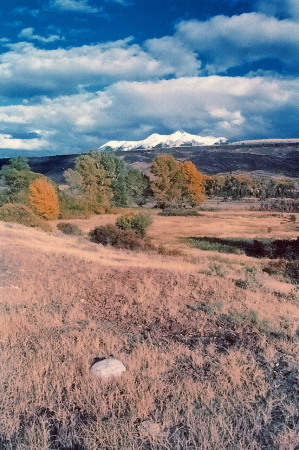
177, 139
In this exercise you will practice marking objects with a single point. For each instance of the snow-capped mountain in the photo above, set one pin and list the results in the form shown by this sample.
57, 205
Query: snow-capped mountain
177, 139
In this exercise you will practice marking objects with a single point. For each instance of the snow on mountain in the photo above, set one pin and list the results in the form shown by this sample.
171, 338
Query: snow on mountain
177, 139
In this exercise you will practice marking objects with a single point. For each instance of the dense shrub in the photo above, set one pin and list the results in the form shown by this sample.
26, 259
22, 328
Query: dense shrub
15, 212
292, 271
72, 208
280, 248
179, 212
275, 267
281, 205
136, 222
112, 235
69, 228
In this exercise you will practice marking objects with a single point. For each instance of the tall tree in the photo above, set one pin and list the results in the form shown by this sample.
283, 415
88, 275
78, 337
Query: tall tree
116, 171
193, 184
168, 182
43, 198
138, 185
16, 176
90, 180
175, 183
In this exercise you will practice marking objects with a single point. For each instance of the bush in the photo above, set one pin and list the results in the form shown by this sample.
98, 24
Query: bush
275, 267
179, 212
72, 208
112, 235
69, 228
280, 248
15, 212
281, 205
136, 222
292, 271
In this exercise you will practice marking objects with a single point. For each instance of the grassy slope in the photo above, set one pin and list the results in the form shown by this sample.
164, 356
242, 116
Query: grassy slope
214, 365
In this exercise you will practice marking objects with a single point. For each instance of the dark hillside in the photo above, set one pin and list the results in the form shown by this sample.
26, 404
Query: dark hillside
270, 158
50, 166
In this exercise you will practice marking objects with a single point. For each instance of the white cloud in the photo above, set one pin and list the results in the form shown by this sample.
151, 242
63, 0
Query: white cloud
26, 70
224, 42
175, 54
28, 33
75, 5
6, 141
221, 106
80, 97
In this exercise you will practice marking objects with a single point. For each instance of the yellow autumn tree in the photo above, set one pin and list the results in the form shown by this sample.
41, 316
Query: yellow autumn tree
168, 178
43, 199
175, 183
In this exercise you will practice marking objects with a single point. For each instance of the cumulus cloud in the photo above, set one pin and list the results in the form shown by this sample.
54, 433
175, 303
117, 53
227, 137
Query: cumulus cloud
28, 33
74, 99
175, 54
8, 142
81, 6
26, 70
222, 106
225, 42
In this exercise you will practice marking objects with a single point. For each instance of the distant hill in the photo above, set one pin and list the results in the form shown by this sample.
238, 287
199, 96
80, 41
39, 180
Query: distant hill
268, 158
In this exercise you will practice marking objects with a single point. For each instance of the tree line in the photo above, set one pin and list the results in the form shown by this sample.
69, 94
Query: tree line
241, 186
100, 182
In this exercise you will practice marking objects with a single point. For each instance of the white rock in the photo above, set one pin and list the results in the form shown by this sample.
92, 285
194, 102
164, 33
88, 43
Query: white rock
150, 428
108, 368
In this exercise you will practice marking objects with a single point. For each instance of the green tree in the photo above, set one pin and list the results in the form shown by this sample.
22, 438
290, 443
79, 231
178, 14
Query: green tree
138, 185
116, 171
168, 182
16, 177
90, 181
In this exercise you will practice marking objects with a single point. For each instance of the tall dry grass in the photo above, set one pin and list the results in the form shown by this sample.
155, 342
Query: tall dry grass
212, 365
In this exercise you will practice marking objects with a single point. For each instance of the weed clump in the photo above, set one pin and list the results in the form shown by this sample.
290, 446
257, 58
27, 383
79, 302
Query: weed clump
179, 212
22, 214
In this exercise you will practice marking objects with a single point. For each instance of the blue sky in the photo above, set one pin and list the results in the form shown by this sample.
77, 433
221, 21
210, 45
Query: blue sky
75, 74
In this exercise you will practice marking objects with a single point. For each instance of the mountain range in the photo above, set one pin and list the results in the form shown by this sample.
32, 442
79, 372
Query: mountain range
176, 139
259, 158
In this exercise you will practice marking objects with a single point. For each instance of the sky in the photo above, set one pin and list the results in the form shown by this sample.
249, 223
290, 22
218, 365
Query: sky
75, 74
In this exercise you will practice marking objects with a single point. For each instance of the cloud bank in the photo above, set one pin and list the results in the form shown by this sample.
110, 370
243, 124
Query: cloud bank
76, 98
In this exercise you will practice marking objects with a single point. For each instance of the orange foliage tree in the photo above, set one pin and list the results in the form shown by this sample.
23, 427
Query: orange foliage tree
193, 184
43, 198
175, 183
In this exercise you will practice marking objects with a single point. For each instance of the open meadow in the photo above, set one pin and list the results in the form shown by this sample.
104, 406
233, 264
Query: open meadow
209, 339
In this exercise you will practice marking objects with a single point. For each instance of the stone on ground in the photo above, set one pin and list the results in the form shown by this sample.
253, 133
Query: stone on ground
108, 368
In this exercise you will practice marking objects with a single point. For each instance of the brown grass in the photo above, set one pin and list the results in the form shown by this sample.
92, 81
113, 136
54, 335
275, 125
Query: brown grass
214, 365
220, 223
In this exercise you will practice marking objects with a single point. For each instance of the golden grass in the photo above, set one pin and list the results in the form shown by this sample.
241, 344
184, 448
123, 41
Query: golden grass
214, 365
222, 223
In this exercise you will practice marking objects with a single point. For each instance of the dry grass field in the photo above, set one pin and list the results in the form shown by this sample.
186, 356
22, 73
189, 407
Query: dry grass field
212, 363
222, 223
